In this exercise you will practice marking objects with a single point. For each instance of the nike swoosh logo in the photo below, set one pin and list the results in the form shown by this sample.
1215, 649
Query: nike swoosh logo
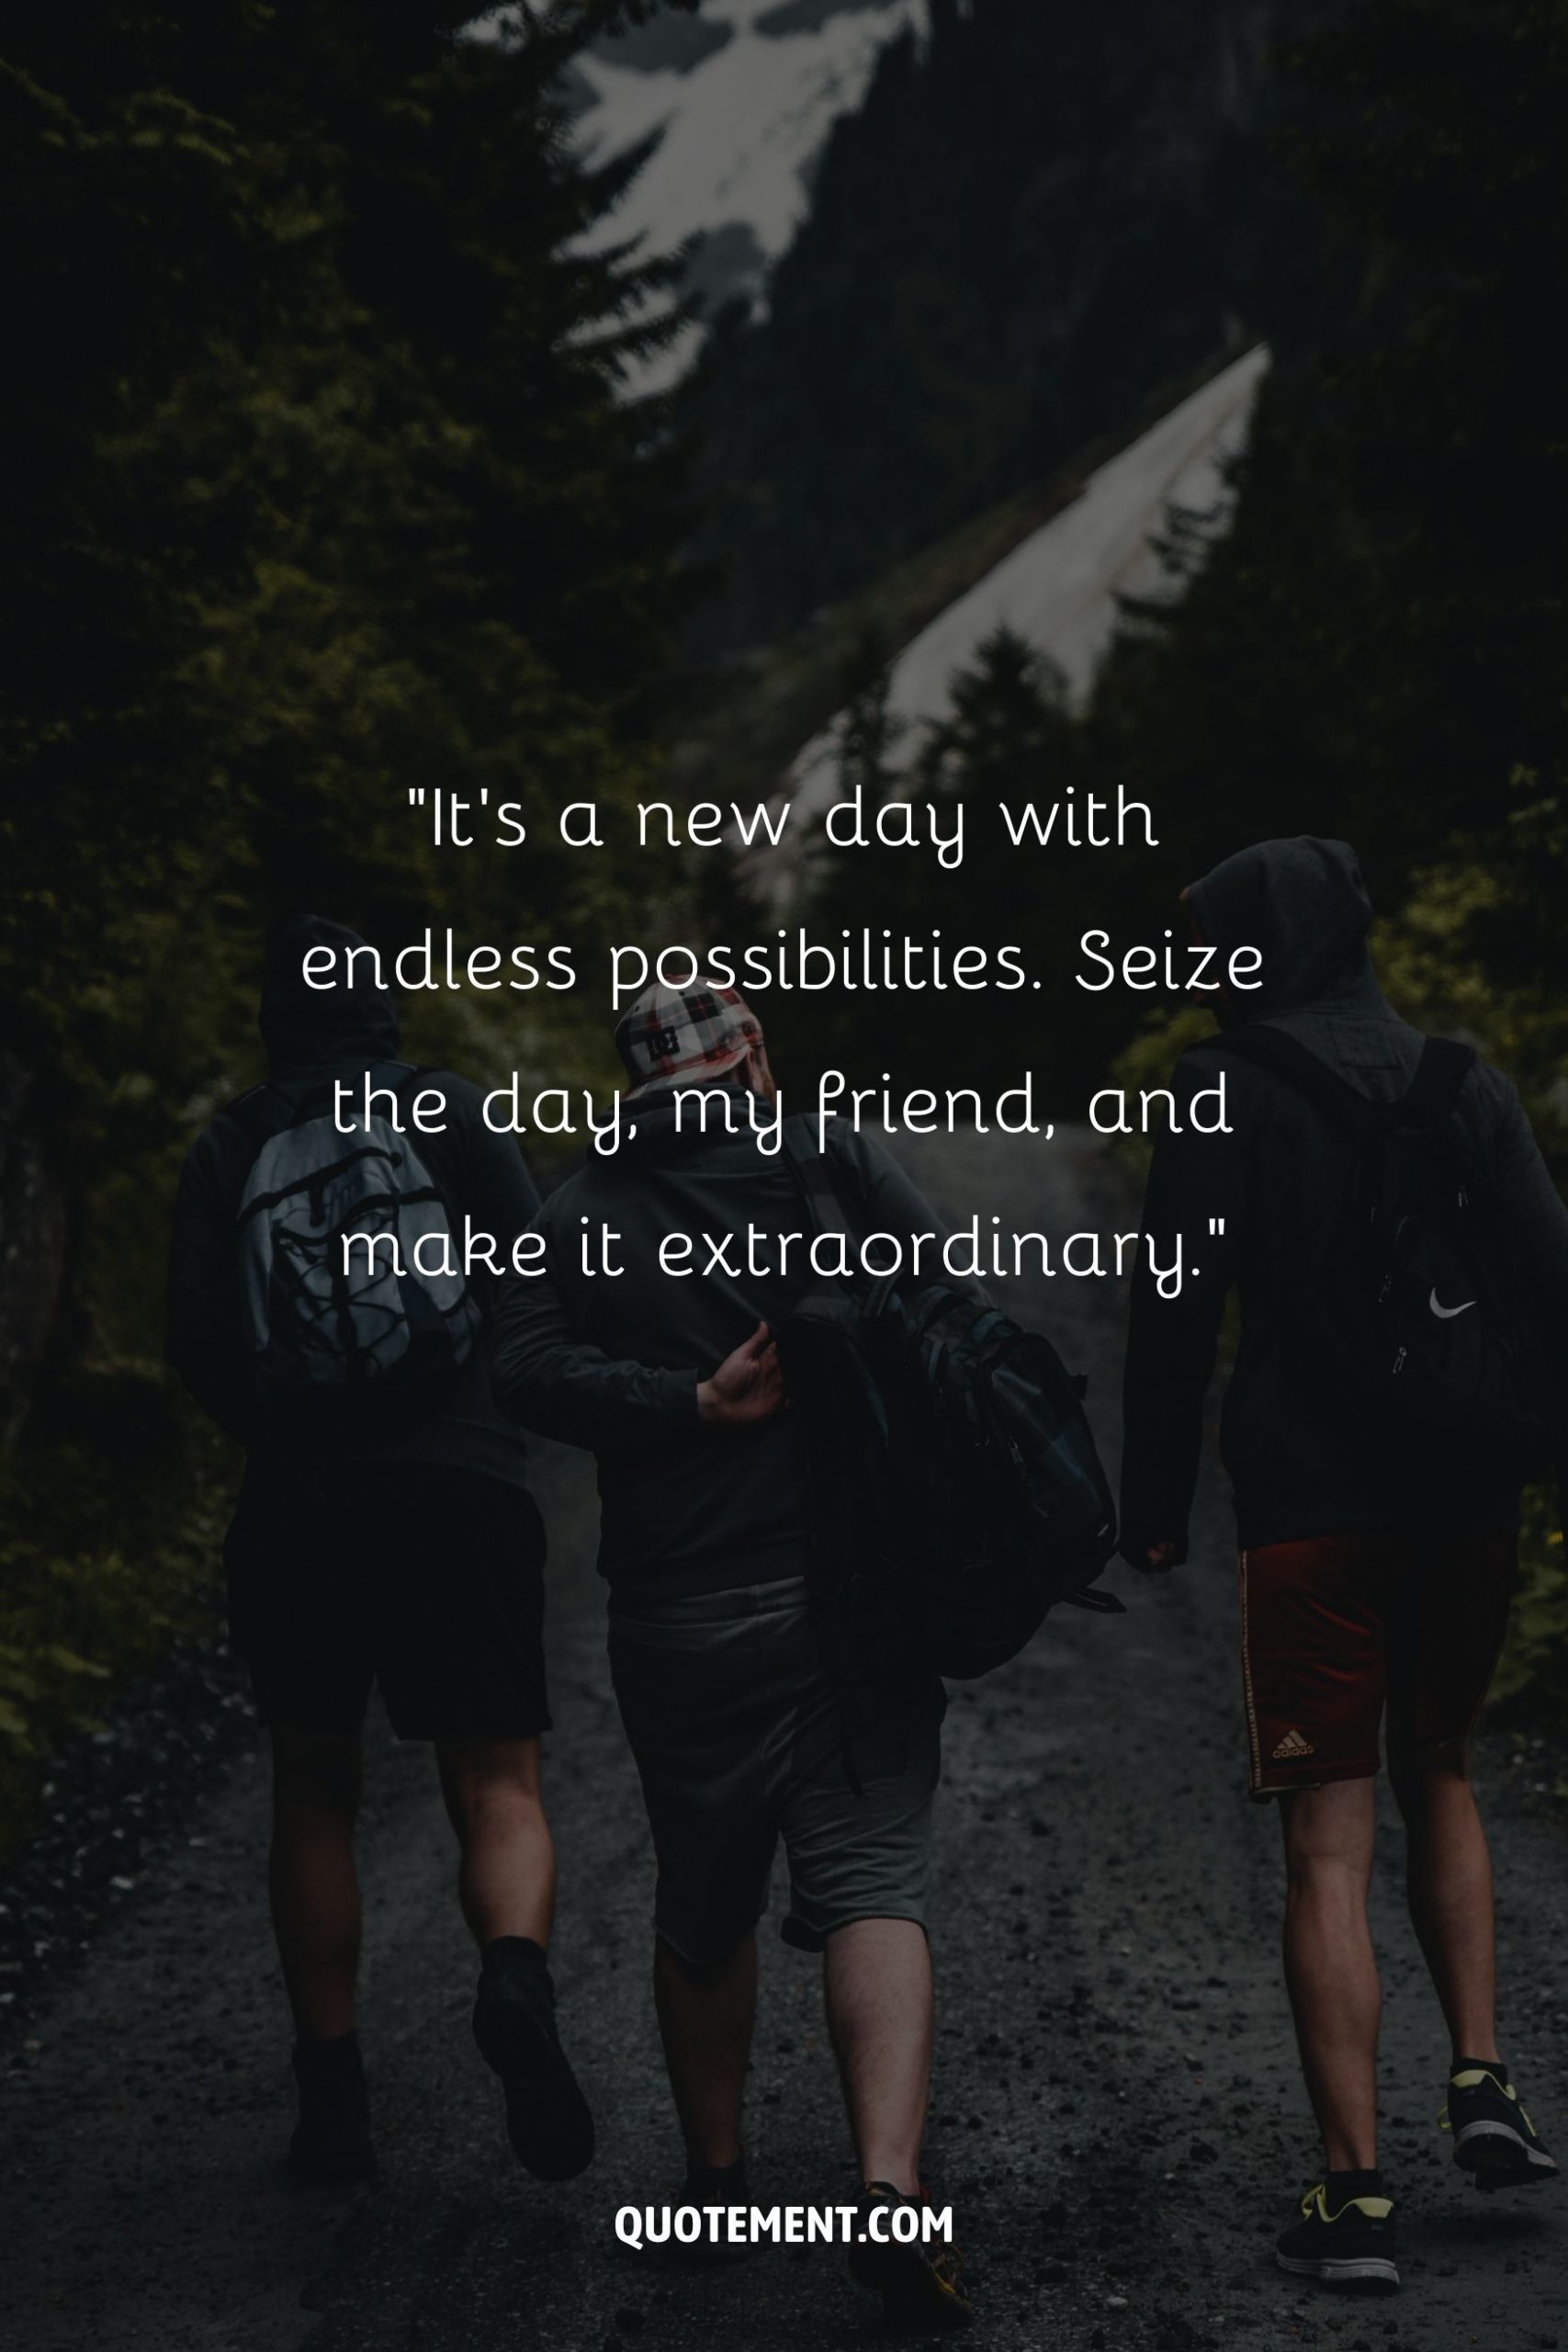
1447, 1314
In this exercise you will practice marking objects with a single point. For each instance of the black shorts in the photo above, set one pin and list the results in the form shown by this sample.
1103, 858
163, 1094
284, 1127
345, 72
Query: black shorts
425, 1581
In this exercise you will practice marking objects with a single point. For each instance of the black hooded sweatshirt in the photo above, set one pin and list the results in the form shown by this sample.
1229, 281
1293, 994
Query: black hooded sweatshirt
1279, 1177
613, 1363
312, 1036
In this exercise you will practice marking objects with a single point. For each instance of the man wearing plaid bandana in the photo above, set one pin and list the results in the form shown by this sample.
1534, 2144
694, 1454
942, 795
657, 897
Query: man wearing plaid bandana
672, 1380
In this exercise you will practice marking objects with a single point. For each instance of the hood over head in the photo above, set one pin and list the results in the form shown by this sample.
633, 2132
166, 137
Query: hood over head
1304, 905
306, 1028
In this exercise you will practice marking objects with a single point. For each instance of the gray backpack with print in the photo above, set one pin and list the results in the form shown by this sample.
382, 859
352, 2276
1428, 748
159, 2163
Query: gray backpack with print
353, 1304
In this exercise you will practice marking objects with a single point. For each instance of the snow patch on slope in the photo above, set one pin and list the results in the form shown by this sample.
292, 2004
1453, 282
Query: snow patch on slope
742, 126
1060, 588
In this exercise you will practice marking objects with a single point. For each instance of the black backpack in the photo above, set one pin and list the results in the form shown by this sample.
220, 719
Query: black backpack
341, 1341
1408, 1305
957, 1494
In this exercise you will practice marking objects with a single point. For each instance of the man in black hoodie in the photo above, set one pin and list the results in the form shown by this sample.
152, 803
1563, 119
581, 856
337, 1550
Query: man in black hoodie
1372, 1588
395, 1545
667, 1371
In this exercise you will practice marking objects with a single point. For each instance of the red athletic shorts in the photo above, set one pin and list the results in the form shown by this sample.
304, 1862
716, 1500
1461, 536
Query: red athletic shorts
1337, 1629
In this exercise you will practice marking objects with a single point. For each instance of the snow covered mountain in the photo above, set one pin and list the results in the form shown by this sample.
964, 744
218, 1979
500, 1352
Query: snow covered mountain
744, 94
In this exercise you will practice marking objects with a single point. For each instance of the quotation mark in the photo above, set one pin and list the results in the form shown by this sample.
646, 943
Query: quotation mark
416, 796
1216, 1225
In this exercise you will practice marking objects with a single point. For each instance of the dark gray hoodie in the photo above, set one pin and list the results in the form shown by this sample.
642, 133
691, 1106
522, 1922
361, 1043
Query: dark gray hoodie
614, 1364
1276, 1180
313, 1035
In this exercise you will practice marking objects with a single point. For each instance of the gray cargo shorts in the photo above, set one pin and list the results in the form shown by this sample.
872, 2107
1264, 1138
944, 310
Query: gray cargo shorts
742, 1741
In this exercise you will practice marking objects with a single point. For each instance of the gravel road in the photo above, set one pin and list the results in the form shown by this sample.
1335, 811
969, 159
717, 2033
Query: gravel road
1117, 2119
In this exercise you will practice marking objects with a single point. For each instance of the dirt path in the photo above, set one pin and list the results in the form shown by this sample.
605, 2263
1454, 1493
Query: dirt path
1117, 2120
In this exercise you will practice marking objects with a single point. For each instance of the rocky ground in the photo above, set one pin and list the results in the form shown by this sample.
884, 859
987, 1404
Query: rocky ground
1117, 2122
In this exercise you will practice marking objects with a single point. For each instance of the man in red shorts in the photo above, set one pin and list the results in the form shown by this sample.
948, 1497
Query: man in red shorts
1377, 1549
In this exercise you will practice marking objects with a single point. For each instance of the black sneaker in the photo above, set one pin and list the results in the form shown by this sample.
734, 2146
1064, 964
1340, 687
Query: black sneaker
1494, 2139
1353, 2247
332, 2140
548, 2119
717, 2191
917, 2279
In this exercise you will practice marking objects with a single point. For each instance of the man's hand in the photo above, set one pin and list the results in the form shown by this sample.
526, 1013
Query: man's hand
1153, 1559
748, 1385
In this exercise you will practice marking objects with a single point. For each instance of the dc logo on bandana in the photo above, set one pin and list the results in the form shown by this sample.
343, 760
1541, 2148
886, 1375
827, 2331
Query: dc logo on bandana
665, 1041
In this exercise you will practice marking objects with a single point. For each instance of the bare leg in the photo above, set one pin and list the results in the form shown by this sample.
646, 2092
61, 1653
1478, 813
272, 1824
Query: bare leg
705, 2018
506, 1872
1450, 1884
878, 1981
310, 1875
1330, 1968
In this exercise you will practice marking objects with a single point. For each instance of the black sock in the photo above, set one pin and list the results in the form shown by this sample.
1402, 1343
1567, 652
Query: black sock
330, 2072
714, 2179
512, 1951
1341, 2186
1482, 2065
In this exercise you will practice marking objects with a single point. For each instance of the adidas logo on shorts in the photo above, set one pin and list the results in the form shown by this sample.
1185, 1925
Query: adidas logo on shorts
1294, 1745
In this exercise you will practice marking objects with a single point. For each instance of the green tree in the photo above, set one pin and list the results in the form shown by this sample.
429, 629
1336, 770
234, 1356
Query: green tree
330, 491
324, 486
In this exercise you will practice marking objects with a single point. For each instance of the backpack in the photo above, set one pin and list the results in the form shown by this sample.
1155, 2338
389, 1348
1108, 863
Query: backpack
1407, 1304
957, 1494
335, 1344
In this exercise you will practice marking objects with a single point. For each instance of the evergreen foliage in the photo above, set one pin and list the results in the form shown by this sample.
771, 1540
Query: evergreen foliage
1377, 648
320, 488
1041, 215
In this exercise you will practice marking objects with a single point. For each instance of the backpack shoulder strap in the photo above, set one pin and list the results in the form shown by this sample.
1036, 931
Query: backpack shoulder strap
1275, 1049
825, 1206
261, 1113
277, 1104
813, 1178
1429, 1100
